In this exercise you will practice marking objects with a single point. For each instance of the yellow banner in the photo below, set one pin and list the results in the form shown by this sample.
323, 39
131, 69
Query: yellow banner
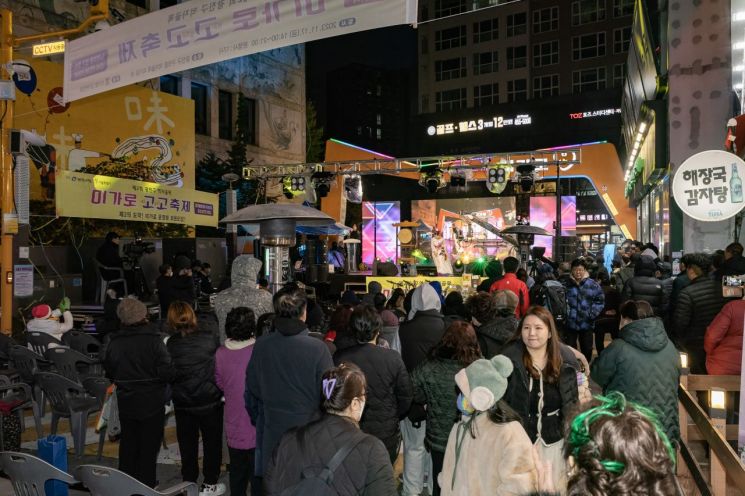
448, 283
103, 197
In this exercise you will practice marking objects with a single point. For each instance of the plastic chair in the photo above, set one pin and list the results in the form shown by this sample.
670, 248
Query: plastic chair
41, 341
103, 284
29, 473
82, 342
68, 364
106, 481
68, 399
18, 397
27, 363
390, 334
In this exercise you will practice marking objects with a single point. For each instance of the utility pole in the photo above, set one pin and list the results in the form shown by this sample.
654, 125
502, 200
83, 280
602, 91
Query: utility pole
99, 11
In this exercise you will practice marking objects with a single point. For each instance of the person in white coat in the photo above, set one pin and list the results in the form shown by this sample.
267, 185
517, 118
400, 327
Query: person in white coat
48, 320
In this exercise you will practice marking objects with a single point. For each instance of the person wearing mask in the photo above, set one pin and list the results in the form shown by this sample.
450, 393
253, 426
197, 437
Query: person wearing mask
488, 451
136, 361
423, 330
696, 308
197, 400
493, 316
433, 387
645, 286
242, 292
494, 272
389, 390
512, 283
231, 361
283, 378
543, 386
163, 284
303, 452
723, 340
643, 364
47, 320
585, 301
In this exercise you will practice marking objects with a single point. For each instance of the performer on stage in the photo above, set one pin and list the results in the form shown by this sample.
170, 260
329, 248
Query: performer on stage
440, 255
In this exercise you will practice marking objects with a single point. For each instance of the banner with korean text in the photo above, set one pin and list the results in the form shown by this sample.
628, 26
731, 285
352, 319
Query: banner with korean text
103, 197
201, 32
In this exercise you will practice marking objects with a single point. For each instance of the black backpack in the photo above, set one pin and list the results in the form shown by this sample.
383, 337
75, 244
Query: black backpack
553, 296
319, 484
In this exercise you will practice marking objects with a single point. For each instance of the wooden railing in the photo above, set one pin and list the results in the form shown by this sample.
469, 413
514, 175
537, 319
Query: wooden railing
725, 466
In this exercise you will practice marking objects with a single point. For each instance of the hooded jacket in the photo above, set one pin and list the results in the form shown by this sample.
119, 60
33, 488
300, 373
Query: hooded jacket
424, 329
51, 326
643, 365
645, 286
585, 301
723, 340
495, 334
243, 292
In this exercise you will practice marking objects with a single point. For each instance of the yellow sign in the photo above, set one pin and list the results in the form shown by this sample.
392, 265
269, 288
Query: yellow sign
103, 197
44, 49
448, 283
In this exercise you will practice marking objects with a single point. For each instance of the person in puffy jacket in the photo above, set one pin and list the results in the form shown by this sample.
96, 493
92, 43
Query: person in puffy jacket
389, 390
366, 470
493, 316
644, 286
643, 364
723, 340
585, 301
434, 386
197, 400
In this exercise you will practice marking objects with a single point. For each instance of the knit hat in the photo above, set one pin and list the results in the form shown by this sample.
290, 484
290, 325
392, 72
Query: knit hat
484, 382
349, 297
181, 262
131, 311
545, 269
504, 299
41, 311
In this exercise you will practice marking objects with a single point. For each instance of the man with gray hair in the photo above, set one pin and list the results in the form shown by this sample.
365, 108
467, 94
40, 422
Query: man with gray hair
243, 292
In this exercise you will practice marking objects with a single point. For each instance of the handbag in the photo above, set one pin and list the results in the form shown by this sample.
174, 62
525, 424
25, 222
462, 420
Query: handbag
53, 450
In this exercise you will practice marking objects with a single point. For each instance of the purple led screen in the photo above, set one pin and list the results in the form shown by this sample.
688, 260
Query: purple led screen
378, 232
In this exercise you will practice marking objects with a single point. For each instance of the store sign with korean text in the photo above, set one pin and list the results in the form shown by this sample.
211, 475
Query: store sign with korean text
201, 32
478, 125
708, 185
104, 197
595, 113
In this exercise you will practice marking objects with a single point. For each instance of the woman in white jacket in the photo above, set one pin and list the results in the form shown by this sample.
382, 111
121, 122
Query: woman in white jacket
48, 321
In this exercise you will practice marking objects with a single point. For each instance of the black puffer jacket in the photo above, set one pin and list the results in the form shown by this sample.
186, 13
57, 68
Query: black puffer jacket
136, 360
193, 358
645, 286
419, 335
389, 389
494, 335
518, 394
366, 471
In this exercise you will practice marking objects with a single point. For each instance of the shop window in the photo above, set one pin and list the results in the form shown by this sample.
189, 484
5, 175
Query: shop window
546, 86
545, 20
485, 95
623, 8
587, 11
621, 39
485, 63
225, 114
517, 90
517, 57
588, 80
517, 24
588, 46
200, 93
171, 85
450, 100
448, 69
450, 38
487, 30
546, 53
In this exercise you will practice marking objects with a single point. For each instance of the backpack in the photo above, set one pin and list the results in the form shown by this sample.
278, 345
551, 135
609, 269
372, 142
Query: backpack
319, 484
553, 296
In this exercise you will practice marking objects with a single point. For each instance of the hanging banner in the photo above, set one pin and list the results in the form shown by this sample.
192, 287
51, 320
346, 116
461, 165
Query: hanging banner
201, 32
708, 185
104, 197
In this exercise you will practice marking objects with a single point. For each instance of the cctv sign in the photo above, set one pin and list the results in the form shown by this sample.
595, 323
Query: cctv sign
44, 49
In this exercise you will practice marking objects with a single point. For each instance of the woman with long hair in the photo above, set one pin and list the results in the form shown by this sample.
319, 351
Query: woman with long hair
488, 451
366, 469
543, 386
197, 400
434, 387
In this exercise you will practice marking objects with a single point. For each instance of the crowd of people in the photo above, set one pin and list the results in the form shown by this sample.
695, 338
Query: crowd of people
311, 397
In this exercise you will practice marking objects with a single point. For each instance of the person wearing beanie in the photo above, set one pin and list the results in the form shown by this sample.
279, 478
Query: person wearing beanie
487, 425
136, 360
494, 272
48, 321
493, 316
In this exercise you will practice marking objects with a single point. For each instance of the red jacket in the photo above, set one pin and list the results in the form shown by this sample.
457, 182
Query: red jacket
512, 283
723, 340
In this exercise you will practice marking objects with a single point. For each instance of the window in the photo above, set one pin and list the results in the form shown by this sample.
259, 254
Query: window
485, 95
517, 57
378, 119
619, 75
588, 80
248, 116
546, 53
450, 69
486, 30
587, 11
485, 63
225, 117
544, 86
378, 133
449, 7
170, 85
621, 39
517, 90
450, 38
450, 99
545, 20
517, 24
201, 115
588, 46
623, 8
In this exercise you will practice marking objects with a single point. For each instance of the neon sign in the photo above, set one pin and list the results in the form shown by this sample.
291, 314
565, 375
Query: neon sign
477, 125
595, 113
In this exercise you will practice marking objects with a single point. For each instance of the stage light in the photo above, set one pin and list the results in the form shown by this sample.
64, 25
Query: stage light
432, 179
290, 186
322, 182
353, 188
480, 260
497, 177
457, 179
525, 176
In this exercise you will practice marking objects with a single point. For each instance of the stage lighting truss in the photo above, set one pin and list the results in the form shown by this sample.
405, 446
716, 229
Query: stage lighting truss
353, 188
497, 177
432, 179
293, 186
322, 182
